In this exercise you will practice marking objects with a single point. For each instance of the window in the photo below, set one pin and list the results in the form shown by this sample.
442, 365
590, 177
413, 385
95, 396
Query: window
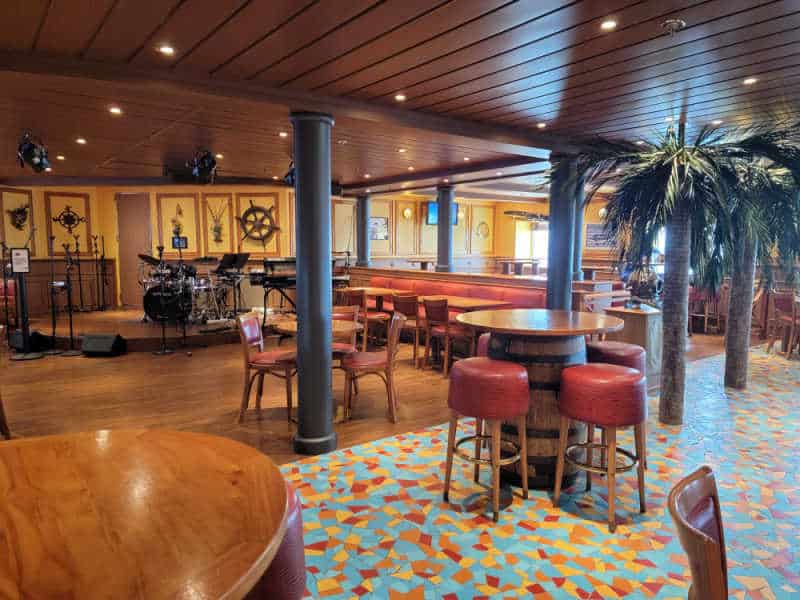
540, 241
523, 240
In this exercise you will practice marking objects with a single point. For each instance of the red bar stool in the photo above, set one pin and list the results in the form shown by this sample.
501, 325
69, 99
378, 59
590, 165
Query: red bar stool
613, 397
491, 391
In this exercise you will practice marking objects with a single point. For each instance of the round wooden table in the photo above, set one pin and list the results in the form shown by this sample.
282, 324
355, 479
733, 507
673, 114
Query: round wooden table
137, 513
545, 342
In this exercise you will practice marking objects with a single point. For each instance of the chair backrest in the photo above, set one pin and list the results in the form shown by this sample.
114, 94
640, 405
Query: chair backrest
436, 312
346, 313
783, 303
393, 336
250, 333
694, 506
406, 304
355, 298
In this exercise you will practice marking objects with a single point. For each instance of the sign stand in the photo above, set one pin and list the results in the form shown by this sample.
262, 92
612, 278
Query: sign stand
20, 266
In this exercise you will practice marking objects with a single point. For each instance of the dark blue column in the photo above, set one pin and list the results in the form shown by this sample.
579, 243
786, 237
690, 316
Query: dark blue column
561, 238
362, 230
580, 210
312, 161
444, 239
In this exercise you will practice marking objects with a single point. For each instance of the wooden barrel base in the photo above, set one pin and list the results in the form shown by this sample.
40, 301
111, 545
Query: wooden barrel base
541, 467
540, 477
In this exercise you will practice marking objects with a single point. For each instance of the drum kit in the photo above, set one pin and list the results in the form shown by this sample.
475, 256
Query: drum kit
182, 292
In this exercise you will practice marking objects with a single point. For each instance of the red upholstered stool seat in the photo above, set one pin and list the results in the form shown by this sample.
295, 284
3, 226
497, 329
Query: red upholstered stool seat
285, 578
603, 394
492, 391
613, 397
272, 357
617, 353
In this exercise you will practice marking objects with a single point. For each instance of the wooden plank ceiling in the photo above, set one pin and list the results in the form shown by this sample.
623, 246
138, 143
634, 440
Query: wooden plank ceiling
533, 65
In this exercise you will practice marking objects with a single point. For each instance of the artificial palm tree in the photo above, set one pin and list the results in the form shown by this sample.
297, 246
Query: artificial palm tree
685, 189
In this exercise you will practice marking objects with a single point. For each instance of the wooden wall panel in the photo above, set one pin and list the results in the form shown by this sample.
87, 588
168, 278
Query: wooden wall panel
344, 226
406, 215
55, 203
482, 231
11, 199
219, 232
382, 208
460, 237
179, 214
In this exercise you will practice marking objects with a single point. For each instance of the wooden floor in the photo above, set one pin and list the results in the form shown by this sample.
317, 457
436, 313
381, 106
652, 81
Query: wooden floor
202, 392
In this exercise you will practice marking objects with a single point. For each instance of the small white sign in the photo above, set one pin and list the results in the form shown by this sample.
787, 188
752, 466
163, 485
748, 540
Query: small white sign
20, 260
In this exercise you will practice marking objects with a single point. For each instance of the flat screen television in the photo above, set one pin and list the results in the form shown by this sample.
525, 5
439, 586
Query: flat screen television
433, 214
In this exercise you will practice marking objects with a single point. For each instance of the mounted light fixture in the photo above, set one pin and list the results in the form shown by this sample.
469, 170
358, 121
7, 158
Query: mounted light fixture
603, 212
408, 212
203, 166
32, 152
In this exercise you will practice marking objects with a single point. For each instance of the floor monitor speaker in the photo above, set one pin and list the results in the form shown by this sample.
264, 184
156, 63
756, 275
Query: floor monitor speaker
103, 344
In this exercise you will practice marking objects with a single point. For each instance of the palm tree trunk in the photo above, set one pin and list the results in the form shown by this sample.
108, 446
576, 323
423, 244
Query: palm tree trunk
740, 309
675, 315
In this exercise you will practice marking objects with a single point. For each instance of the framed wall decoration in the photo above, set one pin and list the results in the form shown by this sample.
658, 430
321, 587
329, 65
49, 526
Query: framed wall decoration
178, 215
596, 236
16, 218
219, 231
68, 214
378, 228
258, 224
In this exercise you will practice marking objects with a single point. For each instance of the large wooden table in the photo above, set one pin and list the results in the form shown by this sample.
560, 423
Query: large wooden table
545, 342
136, 514
642, 327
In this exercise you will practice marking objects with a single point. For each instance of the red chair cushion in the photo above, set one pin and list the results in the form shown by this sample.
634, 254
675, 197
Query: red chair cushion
363, 360
489, 389
617, 353
603, 394
342, 348
272, 357
285, 578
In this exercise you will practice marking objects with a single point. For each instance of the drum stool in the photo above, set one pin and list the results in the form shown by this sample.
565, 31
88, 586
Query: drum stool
613, 397
491, 391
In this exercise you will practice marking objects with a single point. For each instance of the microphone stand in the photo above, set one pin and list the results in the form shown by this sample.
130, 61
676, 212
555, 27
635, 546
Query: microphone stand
81, 308
102, 272
68, 258
96, 273
5, 293
53, 350
163, 350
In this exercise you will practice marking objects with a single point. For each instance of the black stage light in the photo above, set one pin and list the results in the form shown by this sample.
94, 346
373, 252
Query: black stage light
33, 153
289, 178
203, 166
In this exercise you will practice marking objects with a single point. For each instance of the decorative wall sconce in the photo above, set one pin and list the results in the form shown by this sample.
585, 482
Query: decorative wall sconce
461, 215
408, 212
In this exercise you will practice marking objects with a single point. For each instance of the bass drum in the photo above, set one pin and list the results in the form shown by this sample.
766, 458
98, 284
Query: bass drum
175, 304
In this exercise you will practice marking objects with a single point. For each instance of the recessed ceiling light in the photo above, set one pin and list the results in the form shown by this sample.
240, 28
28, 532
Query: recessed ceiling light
668, 119
716, 122
410, 168
466, 159
617, 170
608, 25
342, 142
446, 180
80, 140
367, 175
368, 190
48, 169
166, 50
749, 81
219, 156
115, 110
401, 150
400, 97
639, 142
61, 157
541, 125
275, 177
283, 134
403, 185
499, 173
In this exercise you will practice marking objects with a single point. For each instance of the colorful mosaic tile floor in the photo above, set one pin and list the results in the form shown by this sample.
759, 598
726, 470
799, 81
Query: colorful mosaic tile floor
376, 526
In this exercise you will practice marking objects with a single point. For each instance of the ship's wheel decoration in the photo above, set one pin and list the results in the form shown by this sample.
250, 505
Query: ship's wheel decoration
258, 224
69, 219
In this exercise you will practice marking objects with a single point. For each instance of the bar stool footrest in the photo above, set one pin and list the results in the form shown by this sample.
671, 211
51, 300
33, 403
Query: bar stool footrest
467, 456
599, 453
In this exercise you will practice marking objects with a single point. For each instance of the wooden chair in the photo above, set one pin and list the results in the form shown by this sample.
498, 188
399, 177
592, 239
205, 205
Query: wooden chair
345, 343
9, 291
694, 506
782, 320
439, 326
359, 298
278, 363
794, 326
408, 306
381, 363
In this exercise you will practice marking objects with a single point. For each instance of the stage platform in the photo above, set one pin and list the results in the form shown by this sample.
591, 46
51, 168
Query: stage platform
141, 337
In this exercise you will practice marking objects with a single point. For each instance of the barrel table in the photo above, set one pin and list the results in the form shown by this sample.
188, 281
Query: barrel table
545, 342
136, 514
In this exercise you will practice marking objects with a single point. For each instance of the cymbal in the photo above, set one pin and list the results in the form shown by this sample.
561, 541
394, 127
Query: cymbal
205, 260
150, 260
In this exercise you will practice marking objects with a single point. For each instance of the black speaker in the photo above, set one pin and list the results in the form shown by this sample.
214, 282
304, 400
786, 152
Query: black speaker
39, 341
103, 344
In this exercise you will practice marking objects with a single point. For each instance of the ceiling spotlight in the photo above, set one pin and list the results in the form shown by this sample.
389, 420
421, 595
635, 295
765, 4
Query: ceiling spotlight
342, 142
283, 134
410, 168
81, 141
668, 119
608, 25
219, 156
401, 150
400, 97
203, 166
541, 125
368, 190
639, 142
166, 50
367, 175
446, 180
716, 122
275, 177
499, 173
61, 157
48, 169
749, 81
32, 152
466, 159
673, 26
617, 170
115, 110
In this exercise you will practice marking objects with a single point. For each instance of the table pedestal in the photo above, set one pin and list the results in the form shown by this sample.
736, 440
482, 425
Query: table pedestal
544, 358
